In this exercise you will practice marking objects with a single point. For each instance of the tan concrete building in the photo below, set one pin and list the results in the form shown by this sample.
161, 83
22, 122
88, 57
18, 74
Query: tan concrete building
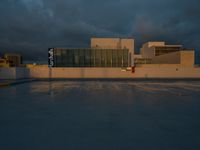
152, 49
184, 58
113, 43
157, 60
160, 53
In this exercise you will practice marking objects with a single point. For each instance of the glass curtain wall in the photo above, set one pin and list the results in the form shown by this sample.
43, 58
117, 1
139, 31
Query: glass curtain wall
90, 58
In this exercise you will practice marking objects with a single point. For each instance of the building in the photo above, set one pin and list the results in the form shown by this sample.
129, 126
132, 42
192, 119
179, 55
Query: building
15, 60
110, 58
184, 58
104, 52
152, 49
160, 53
120, 53
4, 63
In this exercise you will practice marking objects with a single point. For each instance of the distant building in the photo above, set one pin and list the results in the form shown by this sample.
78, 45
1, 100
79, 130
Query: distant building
4, 63
152, 49
185, 58
15, 60
104, 52
116, 52
160, 53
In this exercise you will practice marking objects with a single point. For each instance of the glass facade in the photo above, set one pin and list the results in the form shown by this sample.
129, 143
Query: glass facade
90, 57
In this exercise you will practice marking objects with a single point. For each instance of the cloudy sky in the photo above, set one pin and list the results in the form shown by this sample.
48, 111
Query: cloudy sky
32, 26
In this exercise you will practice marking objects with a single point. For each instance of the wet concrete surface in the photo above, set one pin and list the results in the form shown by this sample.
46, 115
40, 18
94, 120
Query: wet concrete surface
108, 115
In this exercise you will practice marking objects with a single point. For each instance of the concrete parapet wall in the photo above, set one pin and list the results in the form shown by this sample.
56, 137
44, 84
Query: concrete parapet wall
7, 73
14, 73
22, 73
141, 71
39, 72
166, 71
79, 73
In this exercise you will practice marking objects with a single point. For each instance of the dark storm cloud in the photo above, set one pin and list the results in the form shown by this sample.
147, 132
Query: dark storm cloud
31, 26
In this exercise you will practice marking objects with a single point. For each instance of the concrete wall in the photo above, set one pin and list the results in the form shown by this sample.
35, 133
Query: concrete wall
171, 58
7, 73
111, 43
22, 73
166, 71
150, 44
39, 72
14, 73
148, 52
188, 58
129, 44
141, 71
185, 58
79, 73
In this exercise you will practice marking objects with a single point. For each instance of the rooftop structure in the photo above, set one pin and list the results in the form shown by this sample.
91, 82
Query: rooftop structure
184, 58
160, 53
152, 49
113, 43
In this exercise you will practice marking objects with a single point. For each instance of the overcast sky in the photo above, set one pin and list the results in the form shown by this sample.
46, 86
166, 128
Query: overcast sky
32, 26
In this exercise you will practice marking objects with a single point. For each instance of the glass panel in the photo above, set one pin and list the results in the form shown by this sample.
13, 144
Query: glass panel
103, 58
109, 58
76, 58
58, 57
125, 58
82, 57
97, 58
70, 57
91, 57
120, 58
114, 58
87, 58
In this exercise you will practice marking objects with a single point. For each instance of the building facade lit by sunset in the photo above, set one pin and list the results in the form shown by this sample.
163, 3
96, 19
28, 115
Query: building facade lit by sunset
120, 53
152, 49
160, 53
112, 58
104, 52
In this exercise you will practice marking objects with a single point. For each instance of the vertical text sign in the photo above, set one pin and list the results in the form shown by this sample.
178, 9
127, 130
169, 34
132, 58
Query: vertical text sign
51, 60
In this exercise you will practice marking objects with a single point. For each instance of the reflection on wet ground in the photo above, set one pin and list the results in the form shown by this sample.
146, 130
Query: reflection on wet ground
172, 87
100, 115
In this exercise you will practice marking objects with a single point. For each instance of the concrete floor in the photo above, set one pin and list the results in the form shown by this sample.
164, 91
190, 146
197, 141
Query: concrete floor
100, 115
